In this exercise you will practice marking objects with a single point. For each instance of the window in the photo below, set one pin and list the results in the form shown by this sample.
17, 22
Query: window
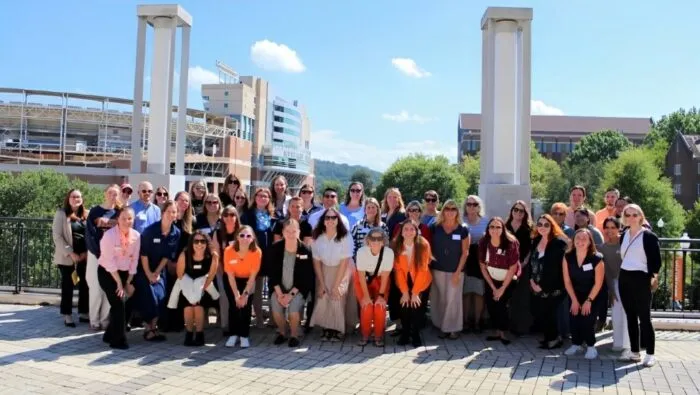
225, 93
698, 190
676, 189
225, 105
698, 167
563, 147
677, 169
205, 97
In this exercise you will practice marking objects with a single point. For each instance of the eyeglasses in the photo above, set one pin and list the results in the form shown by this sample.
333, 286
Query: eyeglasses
495, 227
430, 200
330, 196
145, 191
331, 218
127, 190
212, 202
375, 238
414, 210
634, 215
543, 225
518, 210
161, 194
240, 198
199, 241
245, 236
228, 215
449, 209
306, 192
356, 190
472, 204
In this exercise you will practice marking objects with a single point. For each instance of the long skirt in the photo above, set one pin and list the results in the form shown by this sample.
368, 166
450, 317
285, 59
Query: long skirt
446, 302
520, 311
352, 310
330, 313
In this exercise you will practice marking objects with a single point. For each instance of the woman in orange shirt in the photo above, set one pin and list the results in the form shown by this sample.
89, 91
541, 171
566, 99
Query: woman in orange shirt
241, 265
412, 275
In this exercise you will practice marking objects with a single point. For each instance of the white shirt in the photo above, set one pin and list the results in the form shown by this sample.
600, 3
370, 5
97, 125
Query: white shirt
316, 216
634, 258
367, 262
331, 252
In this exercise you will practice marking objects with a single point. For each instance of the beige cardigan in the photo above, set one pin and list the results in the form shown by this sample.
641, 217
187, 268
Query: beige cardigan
62, 239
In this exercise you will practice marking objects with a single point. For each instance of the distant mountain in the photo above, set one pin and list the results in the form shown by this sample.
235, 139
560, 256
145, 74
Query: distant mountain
327, 170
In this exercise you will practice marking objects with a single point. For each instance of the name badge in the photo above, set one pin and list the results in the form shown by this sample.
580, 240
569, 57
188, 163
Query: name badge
142, 215
197, 267
456, 237
541, 254
587, 267
233, 261
302, 257
156, 241
500, 252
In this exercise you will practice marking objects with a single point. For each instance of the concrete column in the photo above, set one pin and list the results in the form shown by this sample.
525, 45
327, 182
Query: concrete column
182, 103
161, 91
505, 130
137, 117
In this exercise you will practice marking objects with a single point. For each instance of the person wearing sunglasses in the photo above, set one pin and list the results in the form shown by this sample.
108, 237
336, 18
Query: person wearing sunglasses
198, 191
371, 220
639, 277
242, 261
228, 194
161, 196
147, 213
414, 212
240, 201
519, 224
353, 207
546, 280
473, 290
558, 213
125, 196
209, 219
330, 200
224, 237
332, 252
306, 193
431, 200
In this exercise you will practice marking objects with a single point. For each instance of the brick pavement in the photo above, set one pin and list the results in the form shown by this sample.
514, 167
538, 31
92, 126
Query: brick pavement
39, 355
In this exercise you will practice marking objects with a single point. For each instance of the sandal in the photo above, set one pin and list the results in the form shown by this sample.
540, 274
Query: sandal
362, 342
453, 336
379, 343
149, 335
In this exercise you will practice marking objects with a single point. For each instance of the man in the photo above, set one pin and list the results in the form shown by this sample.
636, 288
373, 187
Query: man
146, 213
577, 197
330, 199
583, 220
611, 196
294, 211
431, 200
125, 196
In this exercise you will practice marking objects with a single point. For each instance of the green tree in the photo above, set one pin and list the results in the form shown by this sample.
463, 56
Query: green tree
470, 168
365, 177
583, 173
544, 173
38, 194
415, 174
637, 177
600, 146
335, 184
665, 129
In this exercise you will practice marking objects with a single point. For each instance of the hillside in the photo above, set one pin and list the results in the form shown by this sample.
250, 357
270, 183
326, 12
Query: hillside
326, 170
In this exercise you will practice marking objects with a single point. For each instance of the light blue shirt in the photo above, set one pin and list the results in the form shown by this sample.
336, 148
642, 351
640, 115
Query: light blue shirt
353, 216
145, 215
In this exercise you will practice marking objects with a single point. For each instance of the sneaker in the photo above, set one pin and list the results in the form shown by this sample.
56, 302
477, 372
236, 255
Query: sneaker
245, 343
572, 350
591, 353
649, 360
231, 342
629, 356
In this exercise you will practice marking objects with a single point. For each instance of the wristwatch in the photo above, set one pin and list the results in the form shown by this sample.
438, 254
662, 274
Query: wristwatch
589, 300
293, 293
380, 295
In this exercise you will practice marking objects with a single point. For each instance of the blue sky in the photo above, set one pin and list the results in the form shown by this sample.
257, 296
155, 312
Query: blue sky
621, 58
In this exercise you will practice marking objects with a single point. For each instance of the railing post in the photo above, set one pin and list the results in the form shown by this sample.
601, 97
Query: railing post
19, 257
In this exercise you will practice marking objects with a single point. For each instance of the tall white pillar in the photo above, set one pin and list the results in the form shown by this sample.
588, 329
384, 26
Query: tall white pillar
137, 112
182, 103
161, 93
505, 108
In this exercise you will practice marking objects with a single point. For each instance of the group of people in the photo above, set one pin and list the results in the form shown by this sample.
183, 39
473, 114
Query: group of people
166, 263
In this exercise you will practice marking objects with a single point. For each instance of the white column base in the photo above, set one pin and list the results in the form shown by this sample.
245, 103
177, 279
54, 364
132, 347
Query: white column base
499, 198
174, 183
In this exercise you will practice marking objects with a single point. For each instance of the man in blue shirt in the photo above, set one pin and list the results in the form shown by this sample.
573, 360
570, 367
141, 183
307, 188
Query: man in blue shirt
146, 212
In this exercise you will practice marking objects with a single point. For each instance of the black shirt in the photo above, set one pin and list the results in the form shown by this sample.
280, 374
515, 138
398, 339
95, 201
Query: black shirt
583, 277
196, 269
304, 229
523, 236
546, 270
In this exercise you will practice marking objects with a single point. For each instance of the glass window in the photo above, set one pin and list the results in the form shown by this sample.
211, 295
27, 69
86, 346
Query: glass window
677, 189
539, 146
225, 105
225, 93
563, 147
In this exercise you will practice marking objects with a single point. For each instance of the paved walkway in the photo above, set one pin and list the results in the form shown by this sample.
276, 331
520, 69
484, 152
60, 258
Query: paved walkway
39, 355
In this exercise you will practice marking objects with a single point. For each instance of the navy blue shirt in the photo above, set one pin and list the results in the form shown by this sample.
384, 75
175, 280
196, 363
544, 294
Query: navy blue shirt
93, 234
156, 246
447, 247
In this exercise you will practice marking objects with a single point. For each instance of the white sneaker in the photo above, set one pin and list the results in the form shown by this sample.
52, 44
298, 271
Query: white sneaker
649, 361
232, 340
591, 353
572, 350
629, 356
244, 342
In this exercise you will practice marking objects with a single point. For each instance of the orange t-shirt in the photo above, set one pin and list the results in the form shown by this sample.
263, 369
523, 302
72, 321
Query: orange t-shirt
241, 267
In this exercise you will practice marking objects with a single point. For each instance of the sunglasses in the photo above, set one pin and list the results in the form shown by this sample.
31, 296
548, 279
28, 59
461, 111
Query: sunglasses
240, 198
331, 218
635, 215
414, 210
212, 202
126, 190
161, 194
375, 238
543, 225
145, 191
472, 204
518, 210
245, 236
306, 192
333, 196
495, 227
355, 190
449, 209
228, 215
199, 241
430, 200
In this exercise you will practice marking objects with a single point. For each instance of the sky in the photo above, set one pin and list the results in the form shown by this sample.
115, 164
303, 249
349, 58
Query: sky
379, 79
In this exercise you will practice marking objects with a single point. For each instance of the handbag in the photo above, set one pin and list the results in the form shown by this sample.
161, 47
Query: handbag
74, 276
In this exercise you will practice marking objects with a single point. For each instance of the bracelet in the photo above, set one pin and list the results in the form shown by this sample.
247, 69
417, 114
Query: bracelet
245, 292
589, 300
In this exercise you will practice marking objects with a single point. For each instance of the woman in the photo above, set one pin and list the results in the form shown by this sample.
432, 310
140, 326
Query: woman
353, 207
414, 212
196, 270
162, 196
612, 259
639, 276
261, 217
332, 252
228, 193
307, 194
118, 260
546, 278
450, 247
411, 259
240, 201
70, 254
280, 196
519, 224
374, 263
290, 268
198, 191
225, 236
393, 210
498, 257
242, 262
173, 321
208, 220
185, 218
100, 219
159, 245
583, 277
473, 289
370, 221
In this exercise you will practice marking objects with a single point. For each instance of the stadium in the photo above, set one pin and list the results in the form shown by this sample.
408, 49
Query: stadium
89, 137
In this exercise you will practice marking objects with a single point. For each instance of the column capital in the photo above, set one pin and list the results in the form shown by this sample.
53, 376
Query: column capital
520, 15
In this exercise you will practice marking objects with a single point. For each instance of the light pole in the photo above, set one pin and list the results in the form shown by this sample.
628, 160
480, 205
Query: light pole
661, 223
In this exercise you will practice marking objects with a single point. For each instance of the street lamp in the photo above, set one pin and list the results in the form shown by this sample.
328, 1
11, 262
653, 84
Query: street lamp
685, 244
661, 223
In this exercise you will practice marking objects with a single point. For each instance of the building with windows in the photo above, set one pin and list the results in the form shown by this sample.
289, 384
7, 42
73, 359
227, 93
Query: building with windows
555, 136
683, 168
278, 129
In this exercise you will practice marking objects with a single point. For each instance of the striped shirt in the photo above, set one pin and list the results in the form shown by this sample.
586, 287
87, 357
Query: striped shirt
359, 232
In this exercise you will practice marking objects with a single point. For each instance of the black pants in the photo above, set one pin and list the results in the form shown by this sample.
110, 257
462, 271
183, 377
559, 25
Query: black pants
174, 320
115, 333
583, 326
238, 318
310, 304
635, 295
547, 316
67, 288
498, 310
412, 319
601, 303
394, 301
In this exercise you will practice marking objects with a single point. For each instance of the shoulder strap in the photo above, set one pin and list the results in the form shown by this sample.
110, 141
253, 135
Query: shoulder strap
379, 262
641, 233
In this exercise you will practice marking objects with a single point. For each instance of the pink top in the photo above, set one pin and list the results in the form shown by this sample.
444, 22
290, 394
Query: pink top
118, 252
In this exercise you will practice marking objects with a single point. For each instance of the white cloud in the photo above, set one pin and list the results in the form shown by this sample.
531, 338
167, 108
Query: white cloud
404, 116
409, 67
538, 107
269, 55
329, 145
198, 75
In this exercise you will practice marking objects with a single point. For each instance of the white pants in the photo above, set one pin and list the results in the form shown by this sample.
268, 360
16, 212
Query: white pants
621, 337
191, 289
99, 305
